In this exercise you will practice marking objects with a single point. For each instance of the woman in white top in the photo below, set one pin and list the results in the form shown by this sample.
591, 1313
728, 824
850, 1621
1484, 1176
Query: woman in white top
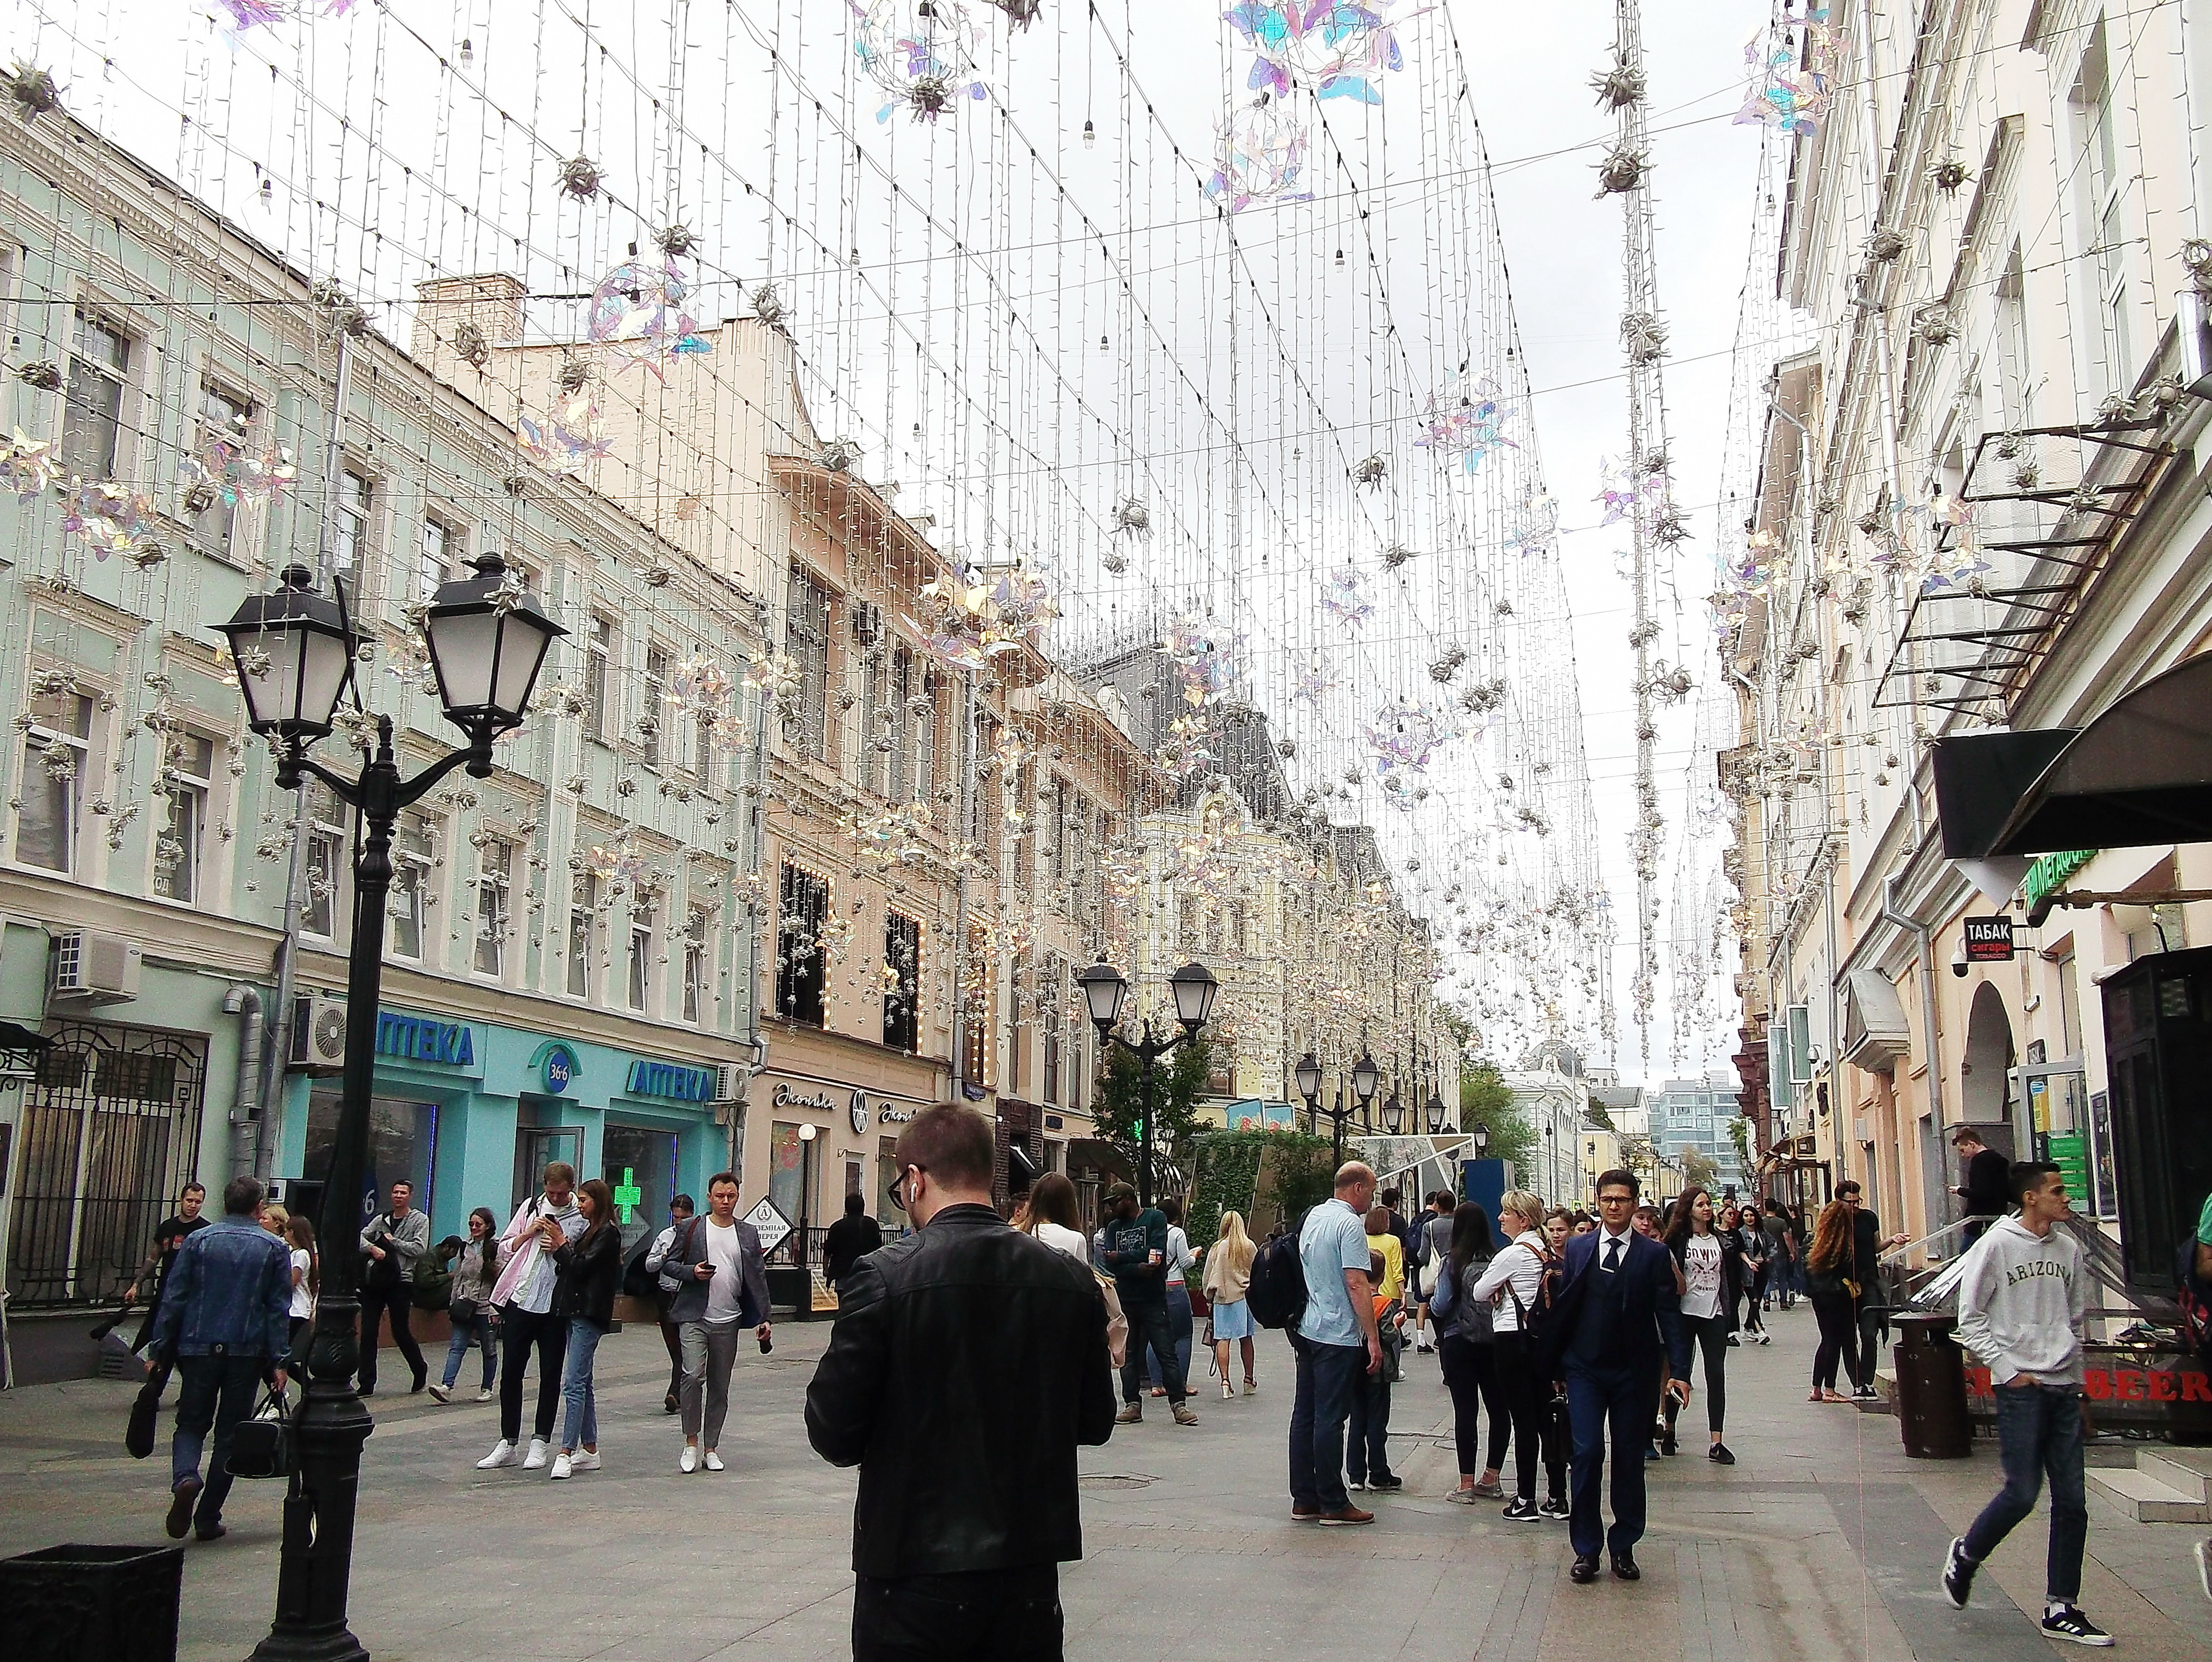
306, 1283
1512, 1284
1228, 1279
1710, 1266
1180, 1259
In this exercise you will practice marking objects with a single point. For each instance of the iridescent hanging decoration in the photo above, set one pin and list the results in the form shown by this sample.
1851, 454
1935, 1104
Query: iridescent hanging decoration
1345, 599
1404, 736
921, 53
1792, 74
1535, 527
110, 518
27, 465
1467, 422
1260, 152
570, 439
1336, 48
638, 310
968, 619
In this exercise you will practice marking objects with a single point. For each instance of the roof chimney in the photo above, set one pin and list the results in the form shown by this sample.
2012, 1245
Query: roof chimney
491, 300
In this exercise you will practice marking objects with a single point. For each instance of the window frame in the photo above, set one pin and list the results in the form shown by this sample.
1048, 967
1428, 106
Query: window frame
411, 867
903, 944
638, 956
602, 651
38, 736
802, 995
216, 529
451, 551
198, 791
584, 917
659, 660
495, 884
116, 378
694, 1006
336, 837
808, 615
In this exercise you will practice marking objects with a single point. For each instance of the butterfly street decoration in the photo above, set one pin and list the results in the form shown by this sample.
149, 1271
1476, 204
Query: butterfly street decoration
921, 53
638, 310
1468, 422
1792, 80
1338, 49
1260, 154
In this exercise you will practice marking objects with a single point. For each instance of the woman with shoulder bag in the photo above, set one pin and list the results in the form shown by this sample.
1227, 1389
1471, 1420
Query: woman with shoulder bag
474, 1268
1466, 1346
1228, 1279
1513, 1287
589, 1269
1828, 1263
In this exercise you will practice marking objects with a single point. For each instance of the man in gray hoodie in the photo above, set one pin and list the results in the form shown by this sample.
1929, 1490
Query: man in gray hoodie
2021, 1306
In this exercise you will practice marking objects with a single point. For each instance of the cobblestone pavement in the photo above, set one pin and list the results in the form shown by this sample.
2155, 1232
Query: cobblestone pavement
1822, 1542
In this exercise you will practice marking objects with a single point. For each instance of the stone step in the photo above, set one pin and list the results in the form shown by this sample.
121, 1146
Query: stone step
2147, 1498
2176, 1474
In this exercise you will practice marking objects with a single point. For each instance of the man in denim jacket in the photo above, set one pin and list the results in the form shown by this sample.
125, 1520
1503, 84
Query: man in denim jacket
223, 1324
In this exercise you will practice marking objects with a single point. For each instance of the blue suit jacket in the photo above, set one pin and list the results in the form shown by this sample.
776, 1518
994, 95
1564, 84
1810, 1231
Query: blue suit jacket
1651, 1309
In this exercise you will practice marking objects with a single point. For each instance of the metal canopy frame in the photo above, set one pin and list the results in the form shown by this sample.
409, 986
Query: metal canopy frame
1962, 658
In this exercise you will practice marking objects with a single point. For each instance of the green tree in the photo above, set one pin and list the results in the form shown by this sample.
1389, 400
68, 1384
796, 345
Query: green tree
1485, 1098
1699, 1169
1118, 1112
1740, 1134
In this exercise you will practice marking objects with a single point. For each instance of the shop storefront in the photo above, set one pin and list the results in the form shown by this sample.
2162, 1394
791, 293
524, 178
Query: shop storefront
811, 1143
470, 1112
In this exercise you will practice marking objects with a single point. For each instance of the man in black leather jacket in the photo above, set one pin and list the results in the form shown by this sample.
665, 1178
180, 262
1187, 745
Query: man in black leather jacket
966, 1510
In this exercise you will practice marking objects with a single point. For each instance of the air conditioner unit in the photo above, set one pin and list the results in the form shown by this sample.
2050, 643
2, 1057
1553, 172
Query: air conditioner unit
731, 1080
319, 1032
868, 623
100, 969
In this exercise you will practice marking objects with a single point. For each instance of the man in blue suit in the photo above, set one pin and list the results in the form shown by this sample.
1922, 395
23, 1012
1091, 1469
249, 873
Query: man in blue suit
1620, 1326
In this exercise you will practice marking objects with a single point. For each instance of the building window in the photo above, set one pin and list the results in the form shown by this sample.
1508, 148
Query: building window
2103, 183
640, 954
494, 881
978, 996
328, 835
92, 410
583, 911
187, 779
599, 655
694, 965
801, 966
350, 545
57, 751
806, 630
655, 712
1187, 932
410, 885
901, 982
225, 423
434, 564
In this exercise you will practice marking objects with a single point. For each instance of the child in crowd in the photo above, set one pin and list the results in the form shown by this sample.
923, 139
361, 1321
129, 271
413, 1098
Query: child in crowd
1366, 1443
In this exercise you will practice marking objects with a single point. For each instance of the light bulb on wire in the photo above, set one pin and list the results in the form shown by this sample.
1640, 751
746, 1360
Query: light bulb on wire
1090, 136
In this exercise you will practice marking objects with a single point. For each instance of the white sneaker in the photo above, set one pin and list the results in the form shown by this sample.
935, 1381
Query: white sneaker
714, 1461
485, 1395
583, 1461
440, 1393
537, 1455
504, 1454
688, 1460
563, 1463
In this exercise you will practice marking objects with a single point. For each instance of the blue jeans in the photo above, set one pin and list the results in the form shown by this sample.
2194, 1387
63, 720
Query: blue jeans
477, 1331
2039, 1431
580, 1417
1626, 1401
1179, 1329
1328, 1374
218, 1392
1367, 1444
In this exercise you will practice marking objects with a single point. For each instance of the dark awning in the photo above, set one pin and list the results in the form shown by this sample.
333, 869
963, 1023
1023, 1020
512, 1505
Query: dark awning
2140, 774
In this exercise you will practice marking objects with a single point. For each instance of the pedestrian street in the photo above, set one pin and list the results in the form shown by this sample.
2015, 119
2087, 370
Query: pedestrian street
1823, 1542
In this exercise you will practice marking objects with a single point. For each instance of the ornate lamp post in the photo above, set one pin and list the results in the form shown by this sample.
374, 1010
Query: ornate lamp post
1308, 1075
1104, 990
1481, 1135
1435, 1109
293, 651
1394, 1115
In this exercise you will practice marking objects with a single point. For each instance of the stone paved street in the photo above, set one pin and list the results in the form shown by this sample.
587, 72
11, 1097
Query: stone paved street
1822, 1543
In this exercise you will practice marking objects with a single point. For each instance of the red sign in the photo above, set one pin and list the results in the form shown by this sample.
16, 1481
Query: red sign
2129, 1384
1989, 940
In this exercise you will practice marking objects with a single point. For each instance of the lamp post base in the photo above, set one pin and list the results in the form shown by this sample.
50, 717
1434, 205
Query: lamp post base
315, 1565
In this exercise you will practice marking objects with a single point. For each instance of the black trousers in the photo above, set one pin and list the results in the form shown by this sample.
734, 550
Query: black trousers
1149, 1326
1471, 1376
981, 1615
1536, 1421
374, 1302
1711, 1333
1839, 1339
518, 1331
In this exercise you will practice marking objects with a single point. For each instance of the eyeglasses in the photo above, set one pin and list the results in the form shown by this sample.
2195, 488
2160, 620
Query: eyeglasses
899, 1185
1849, 1200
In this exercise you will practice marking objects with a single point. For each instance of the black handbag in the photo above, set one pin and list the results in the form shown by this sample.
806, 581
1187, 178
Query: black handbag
262, 1447
139, 1435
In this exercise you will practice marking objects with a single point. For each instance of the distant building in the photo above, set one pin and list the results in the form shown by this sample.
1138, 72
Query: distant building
1695, 1113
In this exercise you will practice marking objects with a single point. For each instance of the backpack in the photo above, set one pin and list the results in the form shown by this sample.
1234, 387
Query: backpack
1548, 1319
2196, 1301
1276, 1295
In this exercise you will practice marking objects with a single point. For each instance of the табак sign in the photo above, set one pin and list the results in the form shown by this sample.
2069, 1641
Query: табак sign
1989, 940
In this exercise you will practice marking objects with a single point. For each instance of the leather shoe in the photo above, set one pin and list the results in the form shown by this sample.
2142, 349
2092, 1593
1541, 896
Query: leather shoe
1585, 1569
1624, 1567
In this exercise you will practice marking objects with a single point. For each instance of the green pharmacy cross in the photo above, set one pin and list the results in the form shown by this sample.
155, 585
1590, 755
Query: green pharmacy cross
626, 1195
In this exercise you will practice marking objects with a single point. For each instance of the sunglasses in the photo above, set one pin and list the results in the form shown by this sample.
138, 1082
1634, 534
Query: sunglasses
899, 1185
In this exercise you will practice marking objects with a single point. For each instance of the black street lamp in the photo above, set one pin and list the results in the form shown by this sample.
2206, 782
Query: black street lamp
1435, 1113
1104, 990
293, 651
1481, 1135
1394, 1115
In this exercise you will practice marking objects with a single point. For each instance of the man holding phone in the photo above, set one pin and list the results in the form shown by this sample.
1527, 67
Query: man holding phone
722, 1288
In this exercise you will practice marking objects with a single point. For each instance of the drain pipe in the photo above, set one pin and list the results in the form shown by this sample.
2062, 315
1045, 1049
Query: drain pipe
247, 1118
1926, 937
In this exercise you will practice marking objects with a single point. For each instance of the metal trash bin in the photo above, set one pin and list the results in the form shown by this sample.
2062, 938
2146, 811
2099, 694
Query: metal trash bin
93, 1603
1931, 1388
